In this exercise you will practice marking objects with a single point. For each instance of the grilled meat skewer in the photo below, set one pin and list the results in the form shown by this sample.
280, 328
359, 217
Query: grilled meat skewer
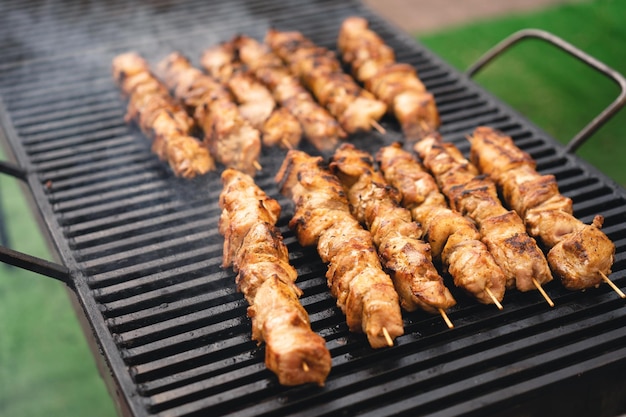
229, 137
578, 253
453, 238
253, 246
396, 84
319, 127
394, 233
322, 217
476, 196
354, 108
160, 117
256, 103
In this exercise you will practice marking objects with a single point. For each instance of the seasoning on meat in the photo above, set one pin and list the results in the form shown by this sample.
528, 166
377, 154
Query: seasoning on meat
255, 249
160, 117
396, 84
230, 138
581, 255
354, 108
256, 103
322, 217
475, 196
320, 128
453, 238
395, 234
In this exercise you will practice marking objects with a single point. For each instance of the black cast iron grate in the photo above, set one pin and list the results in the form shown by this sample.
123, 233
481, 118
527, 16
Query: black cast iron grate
144, 255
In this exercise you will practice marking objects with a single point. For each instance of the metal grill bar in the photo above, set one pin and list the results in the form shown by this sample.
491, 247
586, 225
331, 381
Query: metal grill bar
143, 248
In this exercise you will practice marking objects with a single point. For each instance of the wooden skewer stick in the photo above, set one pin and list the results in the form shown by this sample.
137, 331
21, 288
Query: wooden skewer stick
387, 337
542, 291
378, 127
446, 318
612, 285
305, 367
493, 298
286, 144
257, 165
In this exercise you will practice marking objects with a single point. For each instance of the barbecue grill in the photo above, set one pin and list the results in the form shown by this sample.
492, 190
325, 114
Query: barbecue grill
140, 247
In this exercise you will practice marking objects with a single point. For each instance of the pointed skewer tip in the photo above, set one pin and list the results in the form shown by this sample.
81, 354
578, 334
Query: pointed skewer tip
446, 318
378, 127
286, 144
493, 298
387, 337
257, 165
543, 293
612, 285
305, 367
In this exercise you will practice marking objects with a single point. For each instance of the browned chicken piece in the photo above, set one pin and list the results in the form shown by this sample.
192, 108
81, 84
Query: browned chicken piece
319, 127
256, 102
220, 62
476, 196
322, 217
319, 69
229, 137
282, 129
396, 84
578, 253
160, 117
394, 233
254, 247
453, 238
234, 223
371, 55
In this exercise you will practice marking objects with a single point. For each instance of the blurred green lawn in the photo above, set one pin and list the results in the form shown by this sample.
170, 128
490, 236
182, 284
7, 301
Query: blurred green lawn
46, 368
552, 89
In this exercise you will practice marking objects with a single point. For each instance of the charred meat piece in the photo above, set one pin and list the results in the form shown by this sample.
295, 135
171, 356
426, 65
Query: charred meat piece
578, 253
229, 137
453, 238
160, 117
364, 292
476, 196
319, 127
396, 84
256, 102
354, 108
254, 247
395, 234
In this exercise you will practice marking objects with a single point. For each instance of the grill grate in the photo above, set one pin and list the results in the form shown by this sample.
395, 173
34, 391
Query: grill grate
145, 253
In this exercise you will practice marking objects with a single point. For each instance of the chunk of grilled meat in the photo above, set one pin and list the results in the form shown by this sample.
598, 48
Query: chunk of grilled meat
254, 247
476, 196
220, 62
229, 137
396, 84
397, 237
578, 253
320, 128
322, 217
453, 238
319, 69
160, 117
256, 103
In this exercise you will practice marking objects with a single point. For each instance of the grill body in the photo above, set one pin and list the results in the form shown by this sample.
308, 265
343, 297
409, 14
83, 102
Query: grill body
144, 254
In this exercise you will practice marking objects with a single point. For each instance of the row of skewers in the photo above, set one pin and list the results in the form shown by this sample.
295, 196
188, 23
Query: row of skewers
381, 222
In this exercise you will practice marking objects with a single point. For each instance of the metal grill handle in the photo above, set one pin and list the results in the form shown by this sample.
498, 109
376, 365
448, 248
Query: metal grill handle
29, 262
597, 122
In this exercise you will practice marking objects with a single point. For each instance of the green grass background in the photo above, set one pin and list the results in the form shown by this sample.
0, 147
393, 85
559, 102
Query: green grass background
46, 368
551, 88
